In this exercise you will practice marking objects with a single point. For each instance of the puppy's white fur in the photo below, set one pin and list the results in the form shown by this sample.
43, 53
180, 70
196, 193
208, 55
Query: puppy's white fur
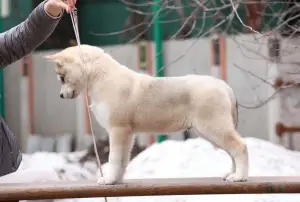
125, 102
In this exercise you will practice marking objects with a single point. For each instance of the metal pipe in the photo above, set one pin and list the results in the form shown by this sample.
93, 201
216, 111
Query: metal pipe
158, 47
145, 65
149, 187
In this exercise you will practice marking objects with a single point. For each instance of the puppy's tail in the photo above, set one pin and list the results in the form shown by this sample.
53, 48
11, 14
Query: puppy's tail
234, 108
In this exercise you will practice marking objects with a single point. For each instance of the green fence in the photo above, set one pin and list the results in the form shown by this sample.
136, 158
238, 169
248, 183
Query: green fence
109, 17
20, 12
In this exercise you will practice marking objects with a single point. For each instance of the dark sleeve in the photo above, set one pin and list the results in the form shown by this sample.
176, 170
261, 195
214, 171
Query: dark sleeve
27, 36
10, 154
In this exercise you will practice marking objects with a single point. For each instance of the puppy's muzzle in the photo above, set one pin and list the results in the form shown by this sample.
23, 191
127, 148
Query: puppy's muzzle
64, 95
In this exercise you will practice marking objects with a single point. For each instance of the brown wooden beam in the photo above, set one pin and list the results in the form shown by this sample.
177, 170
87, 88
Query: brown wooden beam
281, 129
149, 187
280, 83
254, 16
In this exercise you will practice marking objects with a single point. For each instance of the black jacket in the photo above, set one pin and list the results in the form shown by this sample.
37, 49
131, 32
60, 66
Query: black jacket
27, 36
15, 44
10, 155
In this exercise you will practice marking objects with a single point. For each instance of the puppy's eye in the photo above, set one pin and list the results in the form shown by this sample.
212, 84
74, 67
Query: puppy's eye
62, 79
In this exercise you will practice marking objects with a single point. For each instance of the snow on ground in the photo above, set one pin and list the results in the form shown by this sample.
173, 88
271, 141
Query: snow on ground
192, 158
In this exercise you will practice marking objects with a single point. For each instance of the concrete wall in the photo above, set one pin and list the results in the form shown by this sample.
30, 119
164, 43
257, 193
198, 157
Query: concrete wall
54, 115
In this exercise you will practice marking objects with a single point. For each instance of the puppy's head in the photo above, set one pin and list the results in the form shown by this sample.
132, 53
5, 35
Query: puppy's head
69, 73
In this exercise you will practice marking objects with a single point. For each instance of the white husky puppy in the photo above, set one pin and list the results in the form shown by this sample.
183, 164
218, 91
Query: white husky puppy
126, 102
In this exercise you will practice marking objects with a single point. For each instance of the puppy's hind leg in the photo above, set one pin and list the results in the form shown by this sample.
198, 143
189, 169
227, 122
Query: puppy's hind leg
238, 151
225, 137
120, 143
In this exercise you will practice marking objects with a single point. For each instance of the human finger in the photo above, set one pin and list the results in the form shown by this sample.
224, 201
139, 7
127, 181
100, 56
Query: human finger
71, 3
63, 5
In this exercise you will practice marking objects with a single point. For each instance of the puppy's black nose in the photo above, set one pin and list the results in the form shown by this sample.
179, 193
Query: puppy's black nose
61, 95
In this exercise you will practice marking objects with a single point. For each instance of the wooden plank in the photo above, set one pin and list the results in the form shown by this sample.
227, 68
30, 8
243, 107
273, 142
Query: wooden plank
149, 187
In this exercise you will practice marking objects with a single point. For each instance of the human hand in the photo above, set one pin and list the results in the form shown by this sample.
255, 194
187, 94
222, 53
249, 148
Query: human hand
55, 7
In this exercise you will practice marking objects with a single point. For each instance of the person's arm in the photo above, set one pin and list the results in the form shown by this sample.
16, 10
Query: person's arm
27, 36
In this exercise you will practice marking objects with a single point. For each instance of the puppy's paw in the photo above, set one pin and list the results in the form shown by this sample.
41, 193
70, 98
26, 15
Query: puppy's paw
226, 175
106, 181
235, 177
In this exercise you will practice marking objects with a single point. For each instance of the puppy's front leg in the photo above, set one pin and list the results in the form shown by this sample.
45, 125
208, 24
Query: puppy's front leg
120, 142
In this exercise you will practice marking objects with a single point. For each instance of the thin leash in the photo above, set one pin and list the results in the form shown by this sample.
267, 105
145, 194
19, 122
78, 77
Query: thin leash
74, 19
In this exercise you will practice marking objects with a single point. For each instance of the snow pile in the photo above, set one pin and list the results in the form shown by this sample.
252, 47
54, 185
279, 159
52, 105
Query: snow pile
65, 165
192, 158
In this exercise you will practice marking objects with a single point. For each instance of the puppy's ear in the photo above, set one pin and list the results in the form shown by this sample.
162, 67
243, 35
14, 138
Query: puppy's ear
60, 59
54, 58
51, 57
